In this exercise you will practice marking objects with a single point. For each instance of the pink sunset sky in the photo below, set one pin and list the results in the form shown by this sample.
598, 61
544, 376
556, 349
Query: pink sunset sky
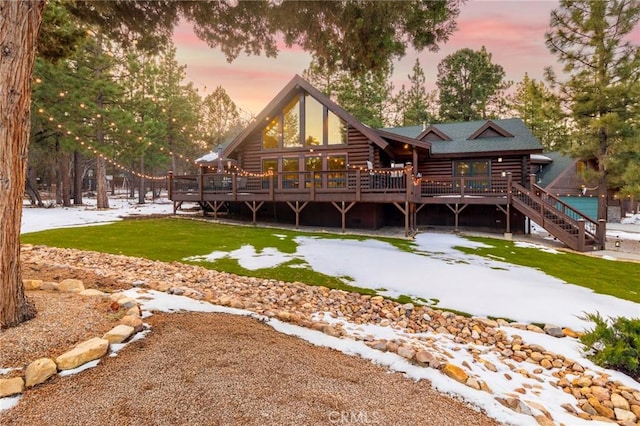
512, 31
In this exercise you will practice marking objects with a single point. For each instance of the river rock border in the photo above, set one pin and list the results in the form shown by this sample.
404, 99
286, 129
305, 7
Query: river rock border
42, 369
597, 397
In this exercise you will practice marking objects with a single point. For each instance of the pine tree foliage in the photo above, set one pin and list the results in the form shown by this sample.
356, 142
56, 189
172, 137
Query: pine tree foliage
541, 110
602, 86
414, 101
468, 82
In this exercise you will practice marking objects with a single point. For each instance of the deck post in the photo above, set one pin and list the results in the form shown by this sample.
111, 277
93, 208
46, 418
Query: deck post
461, 193
312, 180
271, 192
601, 233
358, 189
234, 186
581, 243
532, 181
343, 211
170, 188
508, 212
406, 218
409, 180
201, 186
297, 209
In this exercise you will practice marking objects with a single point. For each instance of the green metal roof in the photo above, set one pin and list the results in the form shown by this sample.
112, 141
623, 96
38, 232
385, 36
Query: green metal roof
551, 171
522, 140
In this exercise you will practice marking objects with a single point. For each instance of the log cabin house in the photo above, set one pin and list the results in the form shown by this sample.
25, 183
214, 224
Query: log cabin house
307, 161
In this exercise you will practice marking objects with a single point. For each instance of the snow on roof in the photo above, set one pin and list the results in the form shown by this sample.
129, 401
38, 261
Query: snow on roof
539, 158
212, 156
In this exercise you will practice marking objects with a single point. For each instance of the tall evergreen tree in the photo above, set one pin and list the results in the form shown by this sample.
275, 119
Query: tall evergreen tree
220, 118
367, 96
415, 102
602, 86
467, 81
541, 110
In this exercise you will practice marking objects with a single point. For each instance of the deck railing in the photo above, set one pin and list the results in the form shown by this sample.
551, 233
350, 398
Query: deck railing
386, 181
378, 180
463, 185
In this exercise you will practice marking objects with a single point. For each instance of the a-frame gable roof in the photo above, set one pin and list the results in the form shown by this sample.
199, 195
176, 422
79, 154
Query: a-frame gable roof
433, 130
285, 95
487, 127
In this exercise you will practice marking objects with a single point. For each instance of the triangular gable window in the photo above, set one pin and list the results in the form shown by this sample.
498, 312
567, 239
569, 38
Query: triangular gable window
490, 130
304, 123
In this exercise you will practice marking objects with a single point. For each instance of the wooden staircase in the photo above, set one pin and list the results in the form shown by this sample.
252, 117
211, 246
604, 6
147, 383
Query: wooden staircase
567, 224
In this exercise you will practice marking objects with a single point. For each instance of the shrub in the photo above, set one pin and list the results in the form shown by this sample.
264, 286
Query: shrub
614, 344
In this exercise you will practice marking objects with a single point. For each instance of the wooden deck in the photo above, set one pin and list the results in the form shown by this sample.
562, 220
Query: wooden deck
343, 189
381, 186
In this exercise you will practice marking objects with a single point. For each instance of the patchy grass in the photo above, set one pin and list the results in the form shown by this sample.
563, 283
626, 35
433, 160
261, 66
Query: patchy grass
616, 278
169, 240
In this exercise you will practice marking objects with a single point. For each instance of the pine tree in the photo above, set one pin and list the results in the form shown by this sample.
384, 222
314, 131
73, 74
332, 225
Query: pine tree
468, 81
602, 86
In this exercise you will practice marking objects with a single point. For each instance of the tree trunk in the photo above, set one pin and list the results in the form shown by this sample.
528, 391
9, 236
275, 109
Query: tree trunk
58, 171
77, 178
141, 191
19, 25
65, 181
101, 183
32, 189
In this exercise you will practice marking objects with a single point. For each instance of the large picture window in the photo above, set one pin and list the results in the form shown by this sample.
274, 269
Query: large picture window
304, 123
337, 166
475, 172
337, 130
313, 164
271, 134
291, 125
269, 164
290, 180
313, 124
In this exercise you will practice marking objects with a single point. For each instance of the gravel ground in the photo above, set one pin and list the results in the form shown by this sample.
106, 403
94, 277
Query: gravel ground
216, 369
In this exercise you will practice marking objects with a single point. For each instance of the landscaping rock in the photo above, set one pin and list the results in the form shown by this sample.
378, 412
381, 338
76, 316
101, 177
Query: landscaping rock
71, 286
49, 286
406, 352
456, 373
39, 371
92, 292
118, 334
619, 402
32, 284
133, 321
553, 330
84, 352
624, 415
10, 387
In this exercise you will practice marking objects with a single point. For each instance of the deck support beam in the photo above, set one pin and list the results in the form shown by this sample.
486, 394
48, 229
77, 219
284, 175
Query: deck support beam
406, 211
297, 209
456, 210
254, 208
176, 206
343, 211
217, 205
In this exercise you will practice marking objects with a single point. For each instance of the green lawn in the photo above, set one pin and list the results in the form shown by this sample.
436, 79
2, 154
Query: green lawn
172, 239
617, 278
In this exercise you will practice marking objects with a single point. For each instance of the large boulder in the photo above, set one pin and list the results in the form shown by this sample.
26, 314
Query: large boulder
39, 371
84, 352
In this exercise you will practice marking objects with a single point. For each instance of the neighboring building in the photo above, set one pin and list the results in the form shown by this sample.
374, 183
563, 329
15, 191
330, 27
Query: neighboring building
305, 160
